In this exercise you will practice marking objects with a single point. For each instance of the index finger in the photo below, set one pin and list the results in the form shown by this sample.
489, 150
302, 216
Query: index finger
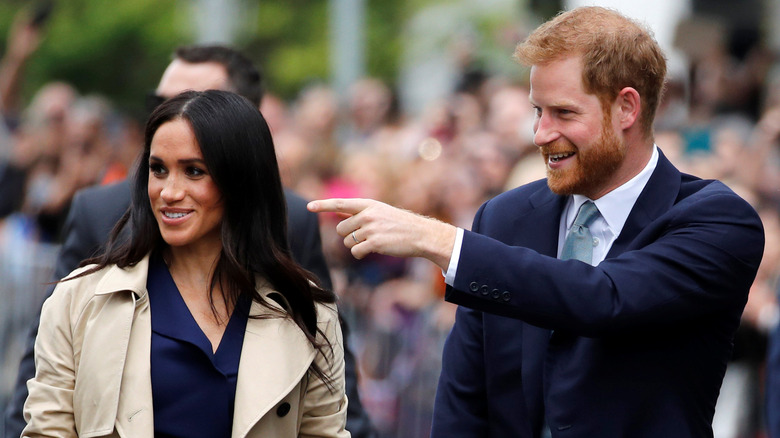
340, 205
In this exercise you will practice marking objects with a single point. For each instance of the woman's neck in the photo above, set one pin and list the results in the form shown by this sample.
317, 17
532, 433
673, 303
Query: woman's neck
192, 271
192, 268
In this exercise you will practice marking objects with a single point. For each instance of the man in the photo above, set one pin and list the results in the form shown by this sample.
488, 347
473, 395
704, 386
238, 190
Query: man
94, 211
618, 324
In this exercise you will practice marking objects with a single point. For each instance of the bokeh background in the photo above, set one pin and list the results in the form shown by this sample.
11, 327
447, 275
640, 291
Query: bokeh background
414, 102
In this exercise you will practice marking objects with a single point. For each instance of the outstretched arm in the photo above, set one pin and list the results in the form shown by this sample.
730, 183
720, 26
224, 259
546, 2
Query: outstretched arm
23, 40
373, 226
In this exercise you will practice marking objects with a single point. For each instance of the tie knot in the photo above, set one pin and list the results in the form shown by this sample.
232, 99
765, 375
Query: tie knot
587, 214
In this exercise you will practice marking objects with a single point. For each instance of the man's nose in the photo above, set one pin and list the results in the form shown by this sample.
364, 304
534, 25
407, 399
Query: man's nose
545, 130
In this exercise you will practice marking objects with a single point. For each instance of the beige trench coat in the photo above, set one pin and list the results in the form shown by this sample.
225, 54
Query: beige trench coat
93, 375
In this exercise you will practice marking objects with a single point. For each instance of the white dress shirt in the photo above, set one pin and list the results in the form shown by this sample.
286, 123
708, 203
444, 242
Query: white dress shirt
614, 208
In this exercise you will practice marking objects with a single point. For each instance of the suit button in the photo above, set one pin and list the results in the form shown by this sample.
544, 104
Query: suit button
495, 294
506, 296
283, 409
474, 286
484, 290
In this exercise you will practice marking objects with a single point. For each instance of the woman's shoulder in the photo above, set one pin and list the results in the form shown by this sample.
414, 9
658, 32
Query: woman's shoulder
72, 295
326, 312
89, 282
81, 282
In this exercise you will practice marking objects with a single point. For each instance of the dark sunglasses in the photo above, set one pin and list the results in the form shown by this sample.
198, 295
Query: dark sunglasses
153, 100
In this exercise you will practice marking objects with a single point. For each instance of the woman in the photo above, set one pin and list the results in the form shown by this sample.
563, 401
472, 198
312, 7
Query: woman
199, 325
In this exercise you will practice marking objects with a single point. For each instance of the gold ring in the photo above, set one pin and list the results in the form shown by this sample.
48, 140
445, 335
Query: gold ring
355, 238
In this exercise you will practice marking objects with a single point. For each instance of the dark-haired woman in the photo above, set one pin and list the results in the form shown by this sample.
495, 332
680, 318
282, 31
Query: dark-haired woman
201, 325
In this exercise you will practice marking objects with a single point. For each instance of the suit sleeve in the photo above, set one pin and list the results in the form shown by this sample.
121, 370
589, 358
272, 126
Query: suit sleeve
79, 242
325, 405
773, 384
700, 258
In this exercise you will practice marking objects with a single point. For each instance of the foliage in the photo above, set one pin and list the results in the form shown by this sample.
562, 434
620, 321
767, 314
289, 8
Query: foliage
291, 40
117, 49
120, 48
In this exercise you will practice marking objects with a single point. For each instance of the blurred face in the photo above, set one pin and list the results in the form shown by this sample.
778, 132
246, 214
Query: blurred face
580, 144
185, 201
182, 76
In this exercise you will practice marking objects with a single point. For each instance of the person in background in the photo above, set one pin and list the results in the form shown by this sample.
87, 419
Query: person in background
23, 40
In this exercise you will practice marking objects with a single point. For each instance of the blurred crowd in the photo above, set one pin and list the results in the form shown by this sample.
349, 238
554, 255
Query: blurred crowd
720, 119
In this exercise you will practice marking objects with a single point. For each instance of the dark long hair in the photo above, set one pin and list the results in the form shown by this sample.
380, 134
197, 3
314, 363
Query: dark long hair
239, 153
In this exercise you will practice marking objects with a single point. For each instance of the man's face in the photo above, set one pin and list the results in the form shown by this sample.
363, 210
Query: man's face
182, 76
581, 145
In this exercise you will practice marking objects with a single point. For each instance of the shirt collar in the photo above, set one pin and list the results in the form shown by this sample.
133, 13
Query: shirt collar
616, 205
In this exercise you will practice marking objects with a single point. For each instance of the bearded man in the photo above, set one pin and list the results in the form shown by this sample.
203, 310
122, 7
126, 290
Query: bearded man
603, 301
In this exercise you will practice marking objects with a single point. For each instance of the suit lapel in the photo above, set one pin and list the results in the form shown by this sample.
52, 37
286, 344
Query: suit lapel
544, 219
274, 358
657, 197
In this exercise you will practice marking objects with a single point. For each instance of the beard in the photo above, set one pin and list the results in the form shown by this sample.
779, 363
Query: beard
593, 168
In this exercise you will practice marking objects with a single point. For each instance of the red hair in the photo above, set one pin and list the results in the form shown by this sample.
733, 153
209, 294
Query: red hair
617, 52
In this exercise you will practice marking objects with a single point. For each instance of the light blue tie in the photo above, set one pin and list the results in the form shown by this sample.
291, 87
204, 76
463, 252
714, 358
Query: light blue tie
579, 242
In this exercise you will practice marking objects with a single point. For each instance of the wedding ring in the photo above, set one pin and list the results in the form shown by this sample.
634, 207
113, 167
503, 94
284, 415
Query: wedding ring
355, 238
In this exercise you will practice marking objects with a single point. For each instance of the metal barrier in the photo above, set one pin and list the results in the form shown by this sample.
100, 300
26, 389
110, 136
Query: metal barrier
26, 265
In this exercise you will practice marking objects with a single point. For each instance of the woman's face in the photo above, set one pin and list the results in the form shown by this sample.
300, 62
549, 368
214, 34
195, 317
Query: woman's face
185, 201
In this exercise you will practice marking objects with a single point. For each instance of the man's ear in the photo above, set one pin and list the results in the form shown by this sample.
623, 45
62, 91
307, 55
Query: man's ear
628, 105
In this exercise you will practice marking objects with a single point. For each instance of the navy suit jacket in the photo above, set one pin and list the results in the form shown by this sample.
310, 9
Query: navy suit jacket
93, 213
634, 347
773, 384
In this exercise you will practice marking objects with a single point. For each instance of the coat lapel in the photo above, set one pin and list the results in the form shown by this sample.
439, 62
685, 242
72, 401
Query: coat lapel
274, 358
115, 360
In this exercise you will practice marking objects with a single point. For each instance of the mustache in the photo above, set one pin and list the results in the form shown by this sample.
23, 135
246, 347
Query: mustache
558, 146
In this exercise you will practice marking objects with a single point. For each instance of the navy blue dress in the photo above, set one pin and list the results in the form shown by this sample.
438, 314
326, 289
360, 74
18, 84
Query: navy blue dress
193, 388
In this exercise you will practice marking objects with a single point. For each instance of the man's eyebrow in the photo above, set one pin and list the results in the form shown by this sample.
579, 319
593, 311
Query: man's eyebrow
558, 104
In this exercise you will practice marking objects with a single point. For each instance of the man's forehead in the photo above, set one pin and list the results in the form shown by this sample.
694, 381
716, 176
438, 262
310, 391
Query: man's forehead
181, 75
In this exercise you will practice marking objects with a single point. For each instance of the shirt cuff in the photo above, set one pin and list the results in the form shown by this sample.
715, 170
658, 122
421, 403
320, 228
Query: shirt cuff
449, 276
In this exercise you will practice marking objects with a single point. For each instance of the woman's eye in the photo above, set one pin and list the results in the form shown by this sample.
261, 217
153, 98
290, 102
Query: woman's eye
195, 171
156, 168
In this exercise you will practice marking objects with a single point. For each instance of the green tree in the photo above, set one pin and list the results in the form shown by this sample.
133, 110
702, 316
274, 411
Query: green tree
290, 39
117, 49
